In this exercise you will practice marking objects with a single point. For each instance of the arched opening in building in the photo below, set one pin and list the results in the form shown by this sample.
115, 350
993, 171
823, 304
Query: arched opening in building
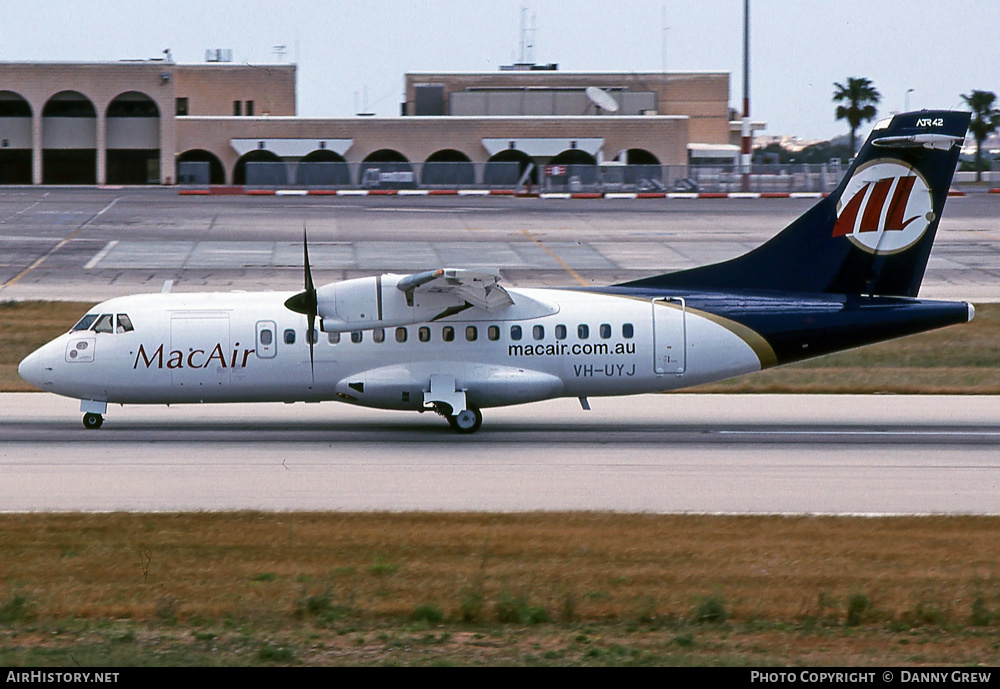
69, 139
448, 167
269, 175
322, 168
386, 155
387, 169
573, 156
133, 139
640, 156
15, 139
643, 169
198, 166
505, 168
580, 168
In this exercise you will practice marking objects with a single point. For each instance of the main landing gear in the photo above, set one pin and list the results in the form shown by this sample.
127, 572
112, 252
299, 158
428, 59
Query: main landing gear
466, 421
445, 397
92, 421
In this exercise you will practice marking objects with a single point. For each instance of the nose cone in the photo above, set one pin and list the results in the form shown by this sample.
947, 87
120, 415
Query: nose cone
31, 369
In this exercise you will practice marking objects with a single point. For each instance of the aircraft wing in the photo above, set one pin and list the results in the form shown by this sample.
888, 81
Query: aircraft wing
479, 287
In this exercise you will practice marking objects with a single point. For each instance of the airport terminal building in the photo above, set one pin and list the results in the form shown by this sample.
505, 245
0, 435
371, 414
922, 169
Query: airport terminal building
158, 122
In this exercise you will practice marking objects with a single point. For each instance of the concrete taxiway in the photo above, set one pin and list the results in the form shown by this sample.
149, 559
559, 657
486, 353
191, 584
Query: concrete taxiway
92, 244
758, 454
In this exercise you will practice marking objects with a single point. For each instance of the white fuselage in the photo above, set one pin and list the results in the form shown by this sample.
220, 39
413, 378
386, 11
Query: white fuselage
237, 347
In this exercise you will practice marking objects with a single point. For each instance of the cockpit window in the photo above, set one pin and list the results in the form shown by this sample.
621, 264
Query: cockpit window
124, 324
85, 322
104, 324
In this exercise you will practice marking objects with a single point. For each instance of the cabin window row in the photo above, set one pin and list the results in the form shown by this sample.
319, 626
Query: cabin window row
449, 334
582, 332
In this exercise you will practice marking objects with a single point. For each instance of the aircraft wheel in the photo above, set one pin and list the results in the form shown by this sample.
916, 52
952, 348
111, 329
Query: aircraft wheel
466, 421
92, 421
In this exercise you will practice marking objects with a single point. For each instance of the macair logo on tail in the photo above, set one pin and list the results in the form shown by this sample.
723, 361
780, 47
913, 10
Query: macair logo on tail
885, 208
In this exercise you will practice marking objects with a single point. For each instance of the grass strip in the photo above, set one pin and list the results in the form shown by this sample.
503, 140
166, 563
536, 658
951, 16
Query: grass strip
536, 589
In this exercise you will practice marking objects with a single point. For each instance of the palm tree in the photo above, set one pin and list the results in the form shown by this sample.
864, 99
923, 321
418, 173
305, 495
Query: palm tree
985, 120
861, 96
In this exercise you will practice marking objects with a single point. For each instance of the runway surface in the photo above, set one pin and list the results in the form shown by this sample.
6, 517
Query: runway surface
658, 453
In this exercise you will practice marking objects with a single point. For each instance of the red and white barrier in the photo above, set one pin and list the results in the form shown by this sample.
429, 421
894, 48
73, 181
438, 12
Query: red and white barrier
510, 192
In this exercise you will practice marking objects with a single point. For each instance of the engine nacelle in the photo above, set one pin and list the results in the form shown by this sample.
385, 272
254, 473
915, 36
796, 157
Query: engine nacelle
375, 302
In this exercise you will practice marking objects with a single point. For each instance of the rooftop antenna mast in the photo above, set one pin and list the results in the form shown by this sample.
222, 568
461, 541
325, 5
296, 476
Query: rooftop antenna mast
527, 54
746, 148
663, 40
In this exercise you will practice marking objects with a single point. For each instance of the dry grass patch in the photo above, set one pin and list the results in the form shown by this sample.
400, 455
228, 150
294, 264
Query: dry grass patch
577, 566
574, 588
27, 325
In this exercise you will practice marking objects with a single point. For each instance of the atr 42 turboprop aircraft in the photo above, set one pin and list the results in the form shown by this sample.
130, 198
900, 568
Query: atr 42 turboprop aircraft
844, 274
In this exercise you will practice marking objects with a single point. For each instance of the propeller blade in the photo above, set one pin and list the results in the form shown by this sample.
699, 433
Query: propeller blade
310, 287
305, 302
311, 337
311, 303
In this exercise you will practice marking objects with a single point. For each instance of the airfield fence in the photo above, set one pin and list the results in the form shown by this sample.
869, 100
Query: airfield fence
515, 176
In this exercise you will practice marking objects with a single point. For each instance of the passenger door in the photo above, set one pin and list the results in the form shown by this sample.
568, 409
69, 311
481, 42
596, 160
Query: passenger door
669, 336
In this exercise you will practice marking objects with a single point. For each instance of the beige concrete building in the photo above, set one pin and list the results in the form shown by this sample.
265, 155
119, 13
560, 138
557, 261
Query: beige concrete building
702, 97
140, 122
116, 122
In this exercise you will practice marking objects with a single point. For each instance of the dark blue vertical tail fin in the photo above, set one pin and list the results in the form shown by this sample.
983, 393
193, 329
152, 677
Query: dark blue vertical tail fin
872, 235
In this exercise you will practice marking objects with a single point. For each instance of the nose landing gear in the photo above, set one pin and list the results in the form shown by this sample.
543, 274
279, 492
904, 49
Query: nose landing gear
92, 413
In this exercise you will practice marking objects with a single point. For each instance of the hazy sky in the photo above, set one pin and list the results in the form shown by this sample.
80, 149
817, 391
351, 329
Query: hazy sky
346, 48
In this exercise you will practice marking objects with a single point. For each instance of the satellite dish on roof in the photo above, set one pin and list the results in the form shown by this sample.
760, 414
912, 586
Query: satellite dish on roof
602, 99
